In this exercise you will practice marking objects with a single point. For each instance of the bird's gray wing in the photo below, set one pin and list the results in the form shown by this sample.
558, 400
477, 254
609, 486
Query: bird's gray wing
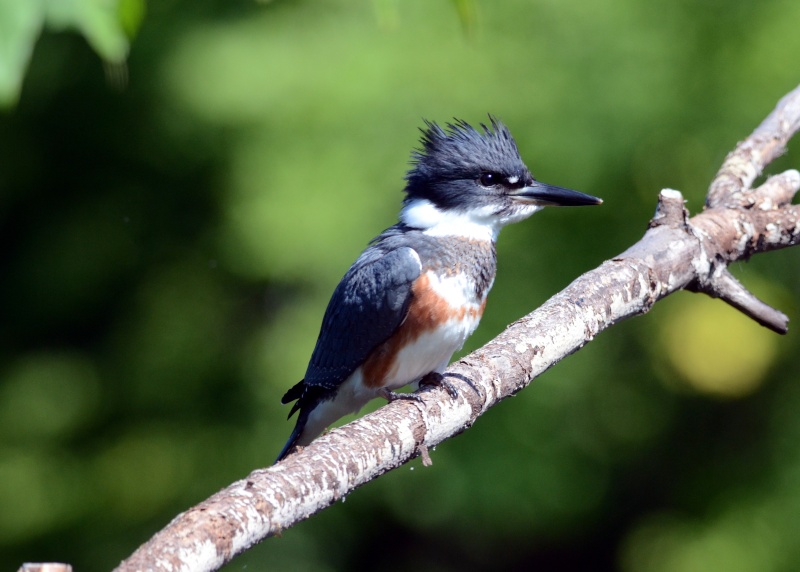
368, 305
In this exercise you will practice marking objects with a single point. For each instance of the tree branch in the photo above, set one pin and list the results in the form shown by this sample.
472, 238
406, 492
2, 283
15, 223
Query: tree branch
676, 252
745, 163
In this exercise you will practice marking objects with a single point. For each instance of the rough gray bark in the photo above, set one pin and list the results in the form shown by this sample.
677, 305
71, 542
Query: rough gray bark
676, 252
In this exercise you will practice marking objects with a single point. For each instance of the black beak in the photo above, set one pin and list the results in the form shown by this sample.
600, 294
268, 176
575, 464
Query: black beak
547, 195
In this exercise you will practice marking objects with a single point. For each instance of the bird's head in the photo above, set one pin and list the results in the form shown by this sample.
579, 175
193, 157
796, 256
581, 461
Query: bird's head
470, 182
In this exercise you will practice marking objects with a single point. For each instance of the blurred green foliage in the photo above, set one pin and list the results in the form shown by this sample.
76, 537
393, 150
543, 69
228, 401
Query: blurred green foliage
106, 24
169, 246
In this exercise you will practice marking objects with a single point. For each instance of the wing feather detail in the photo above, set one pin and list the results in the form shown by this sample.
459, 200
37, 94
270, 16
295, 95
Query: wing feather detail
368, 305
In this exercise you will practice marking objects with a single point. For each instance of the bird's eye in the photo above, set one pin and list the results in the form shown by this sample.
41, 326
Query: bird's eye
488, 179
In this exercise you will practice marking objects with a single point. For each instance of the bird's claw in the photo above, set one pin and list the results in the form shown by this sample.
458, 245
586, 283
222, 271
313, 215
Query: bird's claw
436, 379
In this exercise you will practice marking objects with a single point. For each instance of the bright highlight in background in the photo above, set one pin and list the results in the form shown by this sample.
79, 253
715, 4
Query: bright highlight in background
716, 349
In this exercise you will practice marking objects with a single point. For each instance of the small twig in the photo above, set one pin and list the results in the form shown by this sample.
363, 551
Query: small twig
425, 456
778, 191
747, 161
670, 210
728, 289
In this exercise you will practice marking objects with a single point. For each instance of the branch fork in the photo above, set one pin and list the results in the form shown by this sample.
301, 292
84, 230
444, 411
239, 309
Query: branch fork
774, 225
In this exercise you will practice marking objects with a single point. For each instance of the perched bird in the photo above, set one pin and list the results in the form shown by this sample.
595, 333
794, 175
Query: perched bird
418, 291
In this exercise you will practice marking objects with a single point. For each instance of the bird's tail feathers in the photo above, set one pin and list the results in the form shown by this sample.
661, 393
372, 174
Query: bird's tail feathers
294, 394
308, 399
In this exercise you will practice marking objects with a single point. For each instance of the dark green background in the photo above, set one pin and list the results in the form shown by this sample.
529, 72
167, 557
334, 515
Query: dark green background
168, 245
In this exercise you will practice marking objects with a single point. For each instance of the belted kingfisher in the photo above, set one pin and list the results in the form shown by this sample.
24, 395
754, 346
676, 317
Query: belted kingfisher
418, 291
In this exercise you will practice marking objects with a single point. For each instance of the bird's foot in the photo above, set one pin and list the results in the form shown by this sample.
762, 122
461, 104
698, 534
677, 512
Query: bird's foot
390, 395
436, 379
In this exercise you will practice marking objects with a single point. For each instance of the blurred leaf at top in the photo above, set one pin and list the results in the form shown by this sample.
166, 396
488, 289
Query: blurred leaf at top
106, 24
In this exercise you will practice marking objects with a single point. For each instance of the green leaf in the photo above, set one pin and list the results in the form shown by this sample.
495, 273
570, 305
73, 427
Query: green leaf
106, 24
20, 25
98, 20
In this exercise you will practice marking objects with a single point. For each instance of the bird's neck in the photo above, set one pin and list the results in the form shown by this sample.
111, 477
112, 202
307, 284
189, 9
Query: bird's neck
424, 215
